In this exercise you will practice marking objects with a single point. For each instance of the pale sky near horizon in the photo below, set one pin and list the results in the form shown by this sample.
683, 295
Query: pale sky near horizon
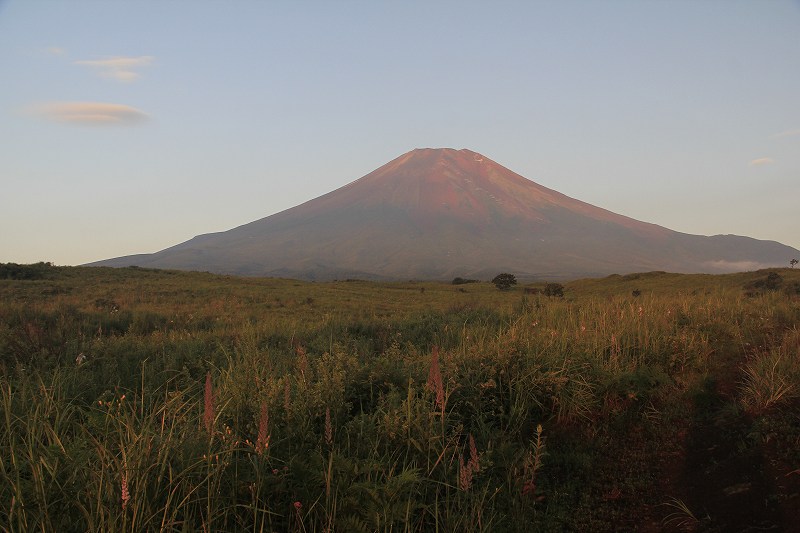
128, 127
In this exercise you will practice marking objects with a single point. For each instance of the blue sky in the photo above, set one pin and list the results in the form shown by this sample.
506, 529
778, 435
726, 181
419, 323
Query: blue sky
127, 127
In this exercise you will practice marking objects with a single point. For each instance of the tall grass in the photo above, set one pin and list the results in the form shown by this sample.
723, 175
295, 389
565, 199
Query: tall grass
245, 405
772, 377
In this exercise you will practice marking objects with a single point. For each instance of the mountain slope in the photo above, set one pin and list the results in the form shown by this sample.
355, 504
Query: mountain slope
441, 213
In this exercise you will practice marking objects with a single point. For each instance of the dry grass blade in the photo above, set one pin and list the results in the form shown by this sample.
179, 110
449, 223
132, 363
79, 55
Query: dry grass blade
208, 404
681, 517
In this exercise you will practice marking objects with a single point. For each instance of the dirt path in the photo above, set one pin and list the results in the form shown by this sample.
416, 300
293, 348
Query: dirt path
725, 482
722, 474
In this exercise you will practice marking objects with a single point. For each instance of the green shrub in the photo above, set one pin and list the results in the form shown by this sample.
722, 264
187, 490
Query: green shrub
504, 281
554, 290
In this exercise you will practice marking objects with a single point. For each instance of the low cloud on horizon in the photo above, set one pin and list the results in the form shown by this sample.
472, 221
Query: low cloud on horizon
722, 265
120, 68
90, 113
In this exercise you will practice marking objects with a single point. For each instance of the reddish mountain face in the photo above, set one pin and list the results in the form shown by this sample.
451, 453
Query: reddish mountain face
441, 213
463, 186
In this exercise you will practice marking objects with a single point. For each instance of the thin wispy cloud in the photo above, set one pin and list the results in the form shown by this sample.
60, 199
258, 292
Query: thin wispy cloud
56, 51
761, 161
90, 113
787, 133
123, 69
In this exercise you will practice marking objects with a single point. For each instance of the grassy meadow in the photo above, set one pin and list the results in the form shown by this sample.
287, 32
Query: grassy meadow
144, 400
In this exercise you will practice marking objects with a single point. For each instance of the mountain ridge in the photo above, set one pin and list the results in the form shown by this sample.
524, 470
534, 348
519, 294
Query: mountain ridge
437, 213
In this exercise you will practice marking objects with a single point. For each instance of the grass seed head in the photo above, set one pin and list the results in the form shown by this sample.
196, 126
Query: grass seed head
262, 442
126, 495
302, 361
435, 383
474, 461
464, 473
328, 427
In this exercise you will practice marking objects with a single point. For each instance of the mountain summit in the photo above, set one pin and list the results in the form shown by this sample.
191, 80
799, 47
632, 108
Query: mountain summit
441, 213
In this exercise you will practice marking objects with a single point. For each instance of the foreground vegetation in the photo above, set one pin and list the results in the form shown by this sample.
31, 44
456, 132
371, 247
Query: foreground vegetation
139, 400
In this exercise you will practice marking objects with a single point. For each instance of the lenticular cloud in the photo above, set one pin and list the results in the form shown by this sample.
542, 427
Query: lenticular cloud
91, 113
118, 68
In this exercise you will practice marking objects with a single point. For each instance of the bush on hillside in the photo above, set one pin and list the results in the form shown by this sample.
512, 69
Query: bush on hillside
24, 272
554, 290
504, 281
